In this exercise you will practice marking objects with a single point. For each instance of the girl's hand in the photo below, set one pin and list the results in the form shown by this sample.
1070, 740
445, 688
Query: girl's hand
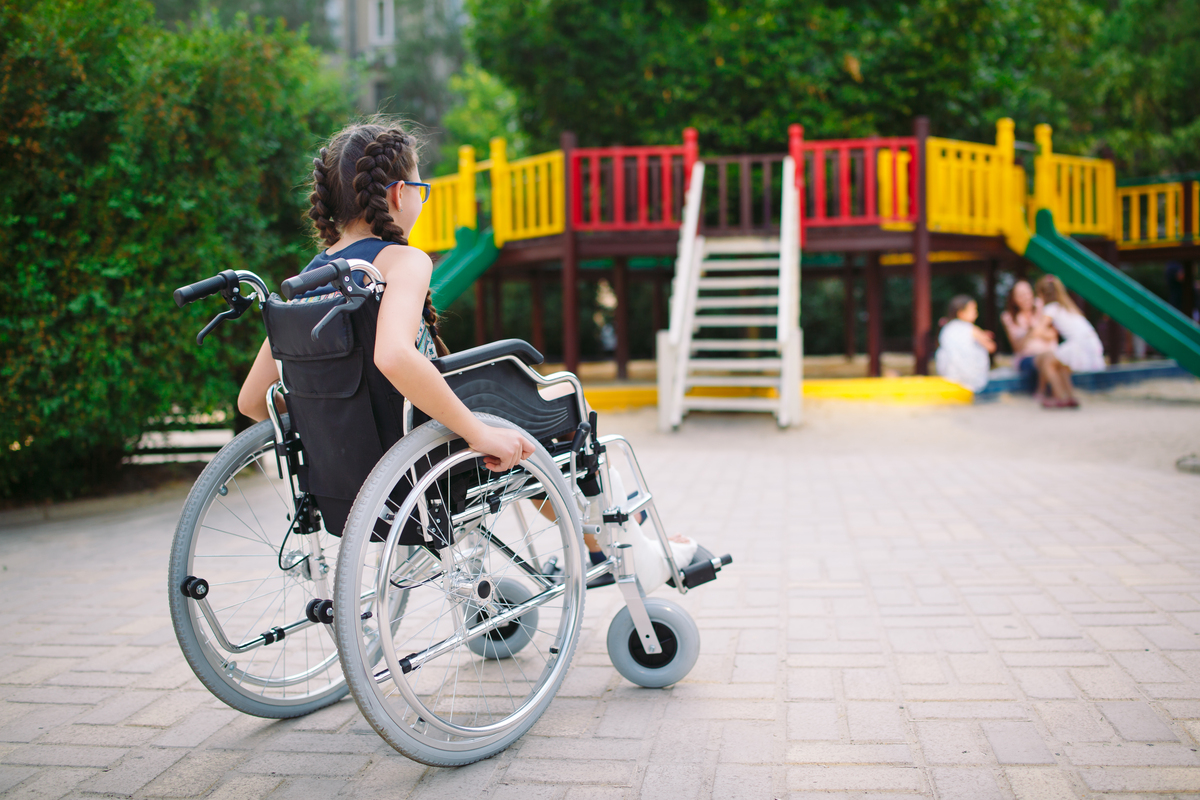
503, 448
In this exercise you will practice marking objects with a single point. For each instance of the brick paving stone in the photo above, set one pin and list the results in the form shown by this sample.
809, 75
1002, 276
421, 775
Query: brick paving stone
944, 742
674, 782
1016, 742
49, 783
194, 775
136, 769
1137, 722
876, 722
1039, 783
968, 782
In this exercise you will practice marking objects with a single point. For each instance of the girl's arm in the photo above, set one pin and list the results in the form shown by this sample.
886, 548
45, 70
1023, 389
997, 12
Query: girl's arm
252, 400
1010, 325
984, 338
407, 272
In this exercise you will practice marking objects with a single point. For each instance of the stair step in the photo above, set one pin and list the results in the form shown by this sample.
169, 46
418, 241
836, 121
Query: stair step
738, 283
761, 381
761, 301
727, 345
735, 364
742, 244
731, 403
710, 265
736, 320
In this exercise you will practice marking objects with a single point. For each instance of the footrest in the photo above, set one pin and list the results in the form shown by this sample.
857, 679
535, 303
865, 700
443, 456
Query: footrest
702, 569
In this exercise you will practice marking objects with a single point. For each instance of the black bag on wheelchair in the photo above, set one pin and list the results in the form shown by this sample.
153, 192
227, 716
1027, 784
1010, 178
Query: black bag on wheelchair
347, 414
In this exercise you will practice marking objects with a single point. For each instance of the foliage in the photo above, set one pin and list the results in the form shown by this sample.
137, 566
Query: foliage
1140, 87
136, 161
484, 108
741, 72
306, 15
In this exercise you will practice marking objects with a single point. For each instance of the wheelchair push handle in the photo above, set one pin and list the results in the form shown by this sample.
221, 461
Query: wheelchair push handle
206, 288
307, 281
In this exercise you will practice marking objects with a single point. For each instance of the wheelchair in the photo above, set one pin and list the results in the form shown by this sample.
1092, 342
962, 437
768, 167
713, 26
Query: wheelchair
351, 544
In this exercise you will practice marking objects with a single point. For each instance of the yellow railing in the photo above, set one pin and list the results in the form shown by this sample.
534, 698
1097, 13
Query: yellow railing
1081, 192
886, 194
527, 195
451, 206
964, 184
1153, 215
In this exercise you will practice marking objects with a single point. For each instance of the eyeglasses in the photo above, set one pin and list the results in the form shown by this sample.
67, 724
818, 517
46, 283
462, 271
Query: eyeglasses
423, 187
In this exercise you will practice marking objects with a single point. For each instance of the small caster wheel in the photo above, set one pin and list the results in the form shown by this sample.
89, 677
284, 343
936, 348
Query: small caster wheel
195, 588
508, 639
320, 611
677, 633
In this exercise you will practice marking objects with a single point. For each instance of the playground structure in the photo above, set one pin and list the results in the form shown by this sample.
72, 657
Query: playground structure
911, 205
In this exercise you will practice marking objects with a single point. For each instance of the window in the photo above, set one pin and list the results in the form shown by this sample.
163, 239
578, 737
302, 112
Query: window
381, 22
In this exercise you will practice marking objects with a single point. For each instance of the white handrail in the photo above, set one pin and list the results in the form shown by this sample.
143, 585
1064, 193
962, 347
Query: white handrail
687, 313
789, 252
682, 284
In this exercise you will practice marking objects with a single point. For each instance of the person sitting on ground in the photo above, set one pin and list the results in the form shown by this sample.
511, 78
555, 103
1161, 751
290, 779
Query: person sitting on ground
963, 347
1034, 340
1080, 350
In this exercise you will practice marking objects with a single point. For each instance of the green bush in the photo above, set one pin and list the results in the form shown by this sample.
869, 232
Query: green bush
136, 160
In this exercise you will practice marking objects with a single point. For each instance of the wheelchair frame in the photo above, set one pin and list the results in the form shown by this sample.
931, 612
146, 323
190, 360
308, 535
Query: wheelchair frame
603, 514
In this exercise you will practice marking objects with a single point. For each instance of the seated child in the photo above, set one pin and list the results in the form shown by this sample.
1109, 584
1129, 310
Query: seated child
963, 348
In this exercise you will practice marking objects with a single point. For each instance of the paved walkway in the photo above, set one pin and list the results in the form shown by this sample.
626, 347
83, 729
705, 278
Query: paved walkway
977, 602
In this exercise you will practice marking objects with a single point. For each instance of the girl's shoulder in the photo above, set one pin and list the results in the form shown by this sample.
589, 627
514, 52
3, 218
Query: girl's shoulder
405, 257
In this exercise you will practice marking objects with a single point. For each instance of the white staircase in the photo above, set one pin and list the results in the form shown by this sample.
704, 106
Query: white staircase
735, 310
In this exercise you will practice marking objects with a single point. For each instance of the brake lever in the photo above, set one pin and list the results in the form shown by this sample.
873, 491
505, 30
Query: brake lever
238, 303
353, 296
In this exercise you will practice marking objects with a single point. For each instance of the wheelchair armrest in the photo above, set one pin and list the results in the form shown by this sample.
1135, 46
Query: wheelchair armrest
489, 352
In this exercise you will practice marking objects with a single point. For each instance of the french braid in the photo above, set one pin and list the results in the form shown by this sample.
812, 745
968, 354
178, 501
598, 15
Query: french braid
321, 199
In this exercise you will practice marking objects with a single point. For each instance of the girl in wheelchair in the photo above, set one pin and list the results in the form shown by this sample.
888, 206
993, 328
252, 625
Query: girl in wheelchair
453, 611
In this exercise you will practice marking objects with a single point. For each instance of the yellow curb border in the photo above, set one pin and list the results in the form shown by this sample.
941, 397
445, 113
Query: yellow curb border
910, 390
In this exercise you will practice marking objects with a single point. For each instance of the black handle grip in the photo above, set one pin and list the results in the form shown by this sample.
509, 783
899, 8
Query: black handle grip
307, 281
204, 288
581, 434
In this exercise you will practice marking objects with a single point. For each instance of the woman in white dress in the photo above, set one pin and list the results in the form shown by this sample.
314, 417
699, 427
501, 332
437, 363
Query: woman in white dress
1080, 348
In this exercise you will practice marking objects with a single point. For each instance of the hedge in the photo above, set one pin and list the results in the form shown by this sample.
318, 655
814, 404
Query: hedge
136, 159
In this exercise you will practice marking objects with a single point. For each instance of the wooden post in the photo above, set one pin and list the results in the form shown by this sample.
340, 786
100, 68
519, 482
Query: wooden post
874, 316
848, 307
480, 312
989, 312
1189, 289
1116, 341
922, 278
570, 262
1192, 236
621, 323
497, 307
538, 320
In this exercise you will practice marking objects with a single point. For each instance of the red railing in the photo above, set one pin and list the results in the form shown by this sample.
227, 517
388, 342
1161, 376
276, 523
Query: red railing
840, 182
631, 188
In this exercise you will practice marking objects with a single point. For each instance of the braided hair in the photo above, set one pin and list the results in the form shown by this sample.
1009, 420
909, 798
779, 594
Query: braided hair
348, 183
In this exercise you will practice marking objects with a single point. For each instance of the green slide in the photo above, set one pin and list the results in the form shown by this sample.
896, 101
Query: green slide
473, 253
1110, 290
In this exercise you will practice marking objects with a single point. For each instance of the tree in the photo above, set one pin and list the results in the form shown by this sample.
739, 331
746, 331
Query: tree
136, 160
635, 72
